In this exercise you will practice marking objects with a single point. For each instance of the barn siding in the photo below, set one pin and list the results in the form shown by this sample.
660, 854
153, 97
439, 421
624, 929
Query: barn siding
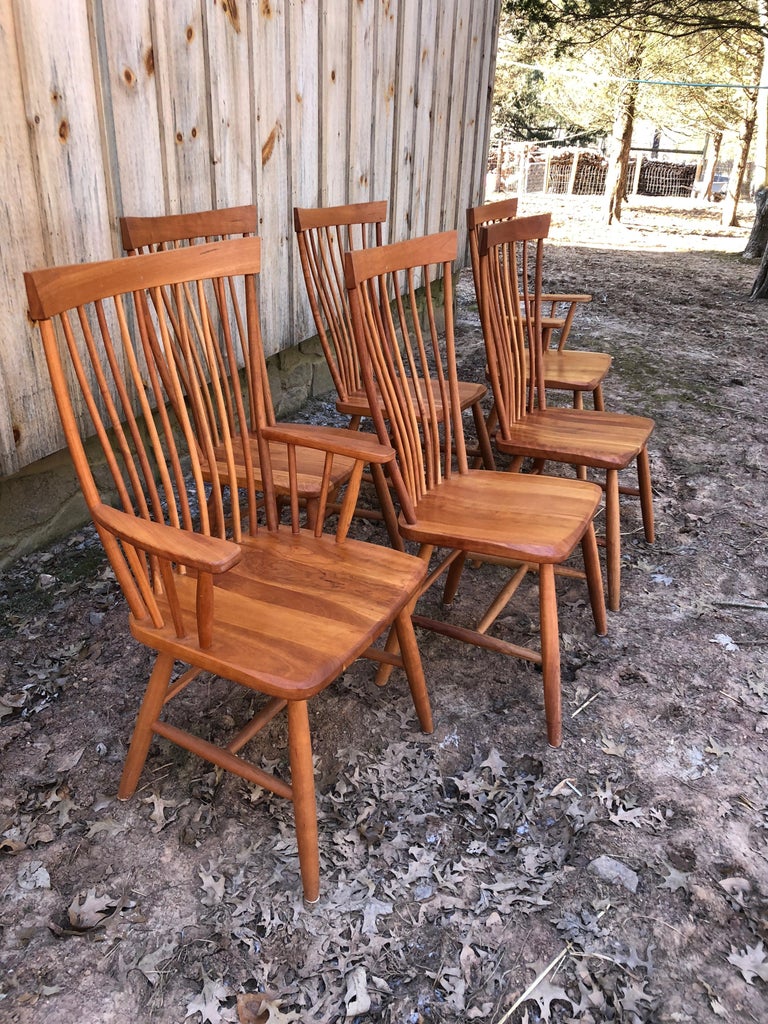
151, 107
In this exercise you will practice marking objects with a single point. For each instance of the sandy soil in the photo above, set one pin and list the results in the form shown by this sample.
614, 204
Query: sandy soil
457, 867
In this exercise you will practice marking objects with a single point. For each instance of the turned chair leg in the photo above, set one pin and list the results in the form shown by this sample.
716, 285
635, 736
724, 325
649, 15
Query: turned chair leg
550, 654
303, 793
646, 494
613, 539
149, 712
414, 670
483, 438
594, 580
597, 398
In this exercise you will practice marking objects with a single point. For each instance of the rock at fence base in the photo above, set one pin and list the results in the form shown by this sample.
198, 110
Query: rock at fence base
613, 871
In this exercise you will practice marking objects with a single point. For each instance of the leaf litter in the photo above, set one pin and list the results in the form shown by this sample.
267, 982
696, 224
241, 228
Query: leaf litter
457, 880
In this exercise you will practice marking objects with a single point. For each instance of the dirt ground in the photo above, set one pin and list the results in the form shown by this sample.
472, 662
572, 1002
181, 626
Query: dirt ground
623, 877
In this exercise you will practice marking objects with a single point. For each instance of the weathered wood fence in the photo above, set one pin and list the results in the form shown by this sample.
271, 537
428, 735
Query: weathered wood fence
147, 106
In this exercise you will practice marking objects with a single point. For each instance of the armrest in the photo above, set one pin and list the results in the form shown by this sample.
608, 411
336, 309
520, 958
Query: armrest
338, 440
206, 554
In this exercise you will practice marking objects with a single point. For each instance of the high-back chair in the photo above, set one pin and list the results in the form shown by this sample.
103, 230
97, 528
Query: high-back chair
510, 275
565, 369
527, 521
175, 231
278, 609
323, 236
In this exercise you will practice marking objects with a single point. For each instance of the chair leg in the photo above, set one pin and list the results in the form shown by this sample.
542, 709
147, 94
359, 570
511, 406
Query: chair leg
578, 400
303, 791
149, 712
387, 507
646, 494
613, 539
413, 669
483, 439
594, 579
550, 654
597, 398
313, 509
453, 579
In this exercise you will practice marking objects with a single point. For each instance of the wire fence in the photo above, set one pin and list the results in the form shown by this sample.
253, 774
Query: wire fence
524, 168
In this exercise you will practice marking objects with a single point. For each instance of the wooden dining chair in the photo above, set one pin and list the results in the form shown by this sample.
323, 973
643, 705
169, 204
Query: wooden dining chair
528, 522
510, 274
174, 231
323, 236
565, 369
275, 608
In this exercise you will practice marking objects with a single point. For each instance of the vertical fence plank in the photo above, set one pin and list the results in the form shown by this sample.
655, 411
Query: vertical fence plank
58, 84
438, 215
274, 185
361, 100
422, 125
130, 110
182, 88
384, 78
29, 425
304, 143
334, 104
453, 203
229, 73
403, 130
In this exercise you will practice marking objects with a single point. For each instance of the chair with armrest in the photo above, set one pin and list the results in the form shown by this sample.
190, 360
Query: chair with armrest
510, 257
564, 369
323, 236
275, 608
526, 522
174, 231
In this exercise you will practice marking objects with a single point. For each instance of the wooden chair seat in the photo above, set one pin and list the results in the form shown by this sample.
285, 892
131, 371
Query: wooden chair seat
284, 624
309, 469
470, 395
521, 518
602, 440
572, 370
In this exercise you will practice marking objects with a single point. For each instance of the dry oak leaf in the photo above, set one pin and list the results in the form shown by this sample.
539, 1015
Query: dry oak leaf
87, 910
751, 962
208, 1003
257, 1008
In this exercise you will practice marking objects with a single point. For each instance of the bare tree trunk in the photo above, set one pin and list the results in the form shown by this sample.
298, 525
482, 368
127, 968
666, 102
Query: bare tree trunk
616, 176
713, 155
728, 216
621, 142
760, 287
758, 238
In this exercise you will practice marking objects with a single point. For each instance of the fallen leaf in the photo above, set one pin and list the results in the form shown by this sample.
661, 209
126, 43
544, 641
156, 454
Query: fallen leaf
608, 746
723, 640
751, 962
356, 998
208, 1003
87, 910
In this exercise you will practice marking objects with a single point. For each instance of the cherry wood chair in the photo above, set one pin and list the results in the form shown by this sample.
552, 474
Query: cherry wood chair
564, 369
323, 236
174, 231
528, 522
510, 273
275, 608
